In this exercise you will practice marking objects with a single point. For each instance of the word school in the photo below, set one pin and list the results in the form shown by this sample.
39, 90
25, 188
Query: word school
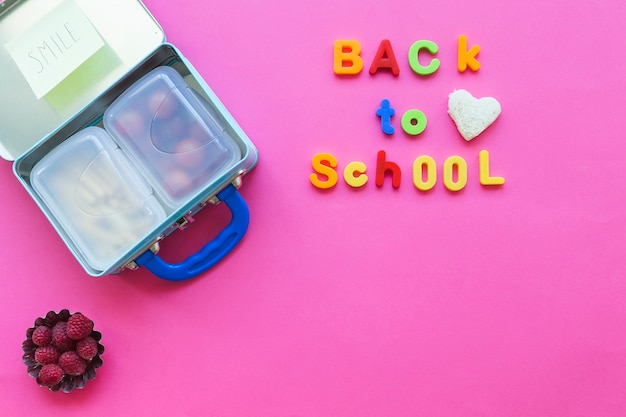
455, 172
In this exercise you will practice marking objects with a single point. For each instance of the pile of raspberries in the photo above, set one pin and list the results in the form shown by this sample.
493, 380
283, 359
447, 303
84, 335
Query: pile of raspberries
62, 350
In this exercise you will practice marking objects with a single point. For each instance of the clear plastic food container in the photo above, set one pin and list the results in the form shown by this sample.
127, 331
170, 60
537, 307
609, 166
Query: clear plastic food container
93, 192
174, 136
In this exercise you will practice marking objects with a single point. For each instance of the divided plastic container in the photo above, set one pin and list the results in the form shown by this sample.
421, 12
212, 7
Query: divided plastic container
161, 144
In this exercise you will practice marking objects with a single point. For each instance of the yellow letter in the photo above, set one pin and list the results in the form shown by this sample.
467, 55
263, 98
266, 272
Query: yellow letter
483, 163
354, 174
346, 57
418, 172
324, 164
448, 175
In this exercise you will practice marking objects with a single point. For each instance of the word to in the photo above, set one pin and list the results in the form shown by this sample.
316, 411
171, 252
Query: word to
413, 121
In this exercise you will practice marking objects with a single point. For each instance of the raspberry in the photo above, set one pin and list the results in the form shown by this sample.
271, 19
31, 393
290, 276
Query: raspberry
46, 354
50, 375
42, 335
60, 339
71, 363
87, 348
79, 326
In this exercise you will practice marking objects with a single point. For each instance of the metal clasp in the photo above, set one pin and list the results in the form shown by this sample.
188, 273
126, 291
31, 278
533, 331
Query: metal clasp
184, 222
154, 248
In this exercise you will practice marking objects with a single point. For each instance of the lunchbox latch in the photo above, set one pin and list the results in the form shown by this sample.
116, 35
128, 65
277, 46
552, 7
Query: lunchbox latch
132, 265
184, 222
215, 200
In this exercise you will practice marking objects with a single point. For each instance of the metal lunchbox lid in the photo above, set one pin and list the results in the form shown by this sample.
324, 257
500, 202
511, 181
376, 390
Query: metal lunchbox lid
59, 55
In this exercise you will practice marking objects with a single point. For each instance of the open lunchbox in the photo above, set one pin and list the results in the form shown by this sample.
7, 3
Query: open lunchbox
115, 135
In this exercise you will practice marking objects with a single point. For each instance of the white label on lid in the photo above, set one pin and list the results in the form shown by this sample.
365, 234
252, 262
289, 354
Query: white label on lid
54, 47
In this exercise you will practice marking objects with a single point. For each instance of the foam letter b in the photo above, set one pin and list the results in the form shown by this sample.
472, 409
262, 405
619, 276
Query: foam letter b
346, 57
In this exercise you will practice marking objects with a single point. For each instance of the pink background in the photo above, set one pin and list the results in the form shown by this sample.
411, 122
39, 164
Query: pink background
375, 302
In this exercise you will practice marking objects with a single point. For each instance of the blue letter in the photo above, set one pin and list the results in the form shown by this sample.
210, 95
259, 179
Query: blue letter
385, 112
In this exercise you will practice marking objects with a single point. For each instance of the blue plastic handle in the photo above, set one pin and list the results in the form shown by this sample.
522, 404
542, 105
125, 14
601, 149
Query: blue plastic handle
213, 251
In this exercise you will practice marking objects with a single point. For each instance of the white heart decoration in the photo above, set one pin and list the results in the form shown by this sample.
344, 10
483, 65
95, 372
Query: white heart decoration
471, 115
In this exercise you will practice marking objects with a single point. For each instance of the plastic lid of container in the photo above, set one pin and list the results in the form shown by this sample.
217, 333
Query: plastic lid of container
172, 134
104, 206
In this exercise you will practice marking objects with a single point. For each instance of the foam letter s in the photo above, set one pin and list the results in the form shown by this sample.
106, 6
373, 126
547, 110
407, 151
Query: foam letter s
324, 164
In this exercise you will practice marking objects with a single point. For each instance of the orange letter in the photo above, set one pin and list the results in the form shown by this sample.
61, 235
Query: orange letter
324, 164
346, 57
467, 58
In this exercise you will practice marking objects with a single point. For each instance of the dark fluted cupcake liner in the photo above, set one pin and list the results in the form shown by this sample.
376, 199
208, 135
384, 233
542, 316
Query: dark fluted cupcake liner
69, 382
